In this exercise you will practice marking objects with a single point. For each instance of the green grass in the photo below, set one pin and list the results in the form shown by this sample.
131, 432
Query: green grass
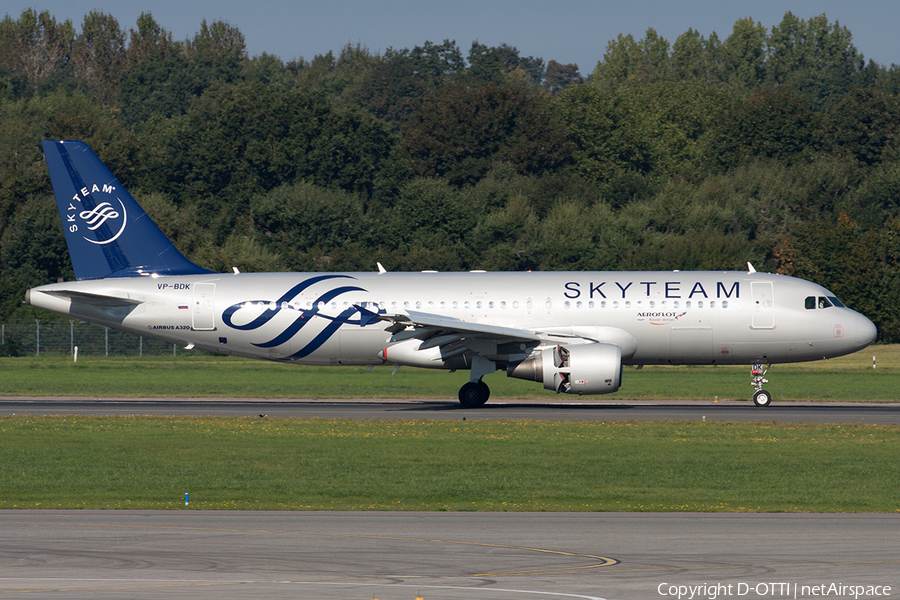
244, 463
846, 378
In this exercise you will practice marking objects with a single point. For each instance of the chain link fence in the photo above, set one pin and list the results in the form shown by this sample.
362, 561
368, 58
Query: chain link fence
24, 339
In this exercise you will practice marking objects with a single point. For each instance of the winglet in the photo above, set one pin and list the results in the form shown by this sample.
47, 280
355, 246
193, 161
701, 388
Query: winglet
107, 232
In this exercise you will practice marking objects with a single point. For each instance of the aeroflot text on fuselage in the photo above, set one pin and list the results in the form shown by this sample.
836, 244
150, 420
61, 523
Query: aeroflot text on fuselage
665, 289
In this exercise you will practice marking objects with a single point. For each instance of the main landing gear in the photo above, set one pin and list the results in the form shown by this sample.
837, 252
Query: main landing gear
474, 394
761, 397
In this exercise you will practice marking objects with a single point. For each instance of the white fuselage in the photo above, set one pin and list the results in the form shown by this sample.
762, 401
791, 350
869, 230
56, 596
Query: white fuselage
660, 317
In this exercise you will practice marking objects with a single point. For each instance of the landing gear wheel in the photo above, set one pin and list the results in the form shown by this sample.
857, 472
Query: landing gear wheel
473, 395
762, 398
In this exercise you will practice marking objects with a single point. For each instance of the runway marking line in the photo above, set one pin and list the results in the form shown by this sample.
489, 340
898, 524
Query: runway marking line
815, 564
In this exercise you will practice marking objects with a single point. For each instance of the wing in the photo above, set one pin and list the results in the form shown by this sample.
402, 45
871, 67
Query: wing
454, 336
506, 344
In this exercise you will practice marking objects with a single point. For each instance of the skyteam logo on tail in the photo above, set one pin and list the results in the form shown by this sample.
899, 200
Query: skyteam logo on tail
97, 210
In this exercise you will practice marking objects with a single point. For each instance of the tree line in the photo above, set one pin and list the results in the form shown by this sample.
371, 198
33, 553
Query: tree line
776, 146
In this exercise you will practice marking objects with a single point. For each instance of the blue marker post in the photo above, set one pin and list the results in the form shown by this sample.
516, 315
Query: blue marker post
186, 502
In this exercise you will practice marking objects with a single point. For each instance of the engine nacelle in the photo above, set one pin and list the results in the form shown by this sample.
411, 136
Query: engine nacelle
583, 369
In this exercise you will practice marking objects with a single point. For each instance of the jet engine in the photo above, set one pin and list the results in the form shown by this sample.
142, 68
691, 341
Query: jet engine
594, 368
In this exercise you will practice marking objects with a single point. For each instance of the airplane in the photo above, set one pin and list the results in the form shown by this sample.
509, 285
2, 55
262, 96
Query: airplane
573, 332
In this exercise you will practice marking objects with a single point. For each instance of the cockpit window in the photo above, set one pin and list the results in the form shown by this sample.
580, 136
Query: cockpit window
812, 302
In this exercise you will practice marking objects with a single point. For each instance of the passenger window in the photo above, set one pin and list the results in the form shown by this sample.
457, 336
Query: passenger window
810, 302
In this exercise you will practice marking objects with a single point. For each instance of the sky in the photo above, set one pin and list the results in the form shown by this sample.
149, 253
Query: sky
567, 31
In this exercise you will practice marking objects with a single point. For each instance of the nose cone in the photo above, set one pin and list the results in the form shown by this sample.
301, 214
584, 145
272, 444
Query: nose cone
861, 331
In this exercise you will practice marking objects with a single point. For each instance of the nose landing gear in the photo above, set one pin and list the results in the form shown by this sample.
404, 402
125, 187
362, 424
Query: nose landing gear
761, 397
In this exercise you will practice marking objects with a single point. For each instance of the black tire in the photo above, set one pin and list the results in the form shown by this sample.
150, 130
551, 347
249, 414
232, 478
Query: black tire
473, 395
762, 398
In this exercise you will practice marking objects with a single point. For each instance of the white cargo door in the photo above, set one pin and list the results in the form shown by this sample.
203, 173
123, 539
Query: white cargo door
763, 305
203, 308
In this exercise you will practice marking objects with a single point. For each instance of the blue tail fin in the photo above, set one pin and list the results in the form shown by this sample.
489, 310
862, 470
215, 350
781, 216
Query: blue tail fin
108, 233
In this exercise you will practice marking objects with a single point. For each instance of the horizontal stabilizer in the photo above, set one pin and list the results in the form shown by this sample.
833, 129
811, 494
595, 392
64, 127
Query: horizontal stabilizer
93, 299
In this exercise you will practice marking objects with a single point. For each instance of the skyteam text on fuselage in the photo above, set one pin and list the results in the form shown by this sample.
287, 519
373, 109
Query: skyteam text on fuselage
570, 331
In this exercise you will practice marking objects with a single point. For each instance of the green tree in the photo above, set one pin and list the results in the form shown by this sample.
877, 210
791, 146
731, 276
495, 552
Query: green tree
772, 123
560, 77
22, 168
32, 252
157, 80
341, 78
402, 78
637, 62
813, 57
37, 44
248, 138
462, 130
216, 53
494, 63
695, 58
301, 223
98, 56
745, 53
864, 124
607, 138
